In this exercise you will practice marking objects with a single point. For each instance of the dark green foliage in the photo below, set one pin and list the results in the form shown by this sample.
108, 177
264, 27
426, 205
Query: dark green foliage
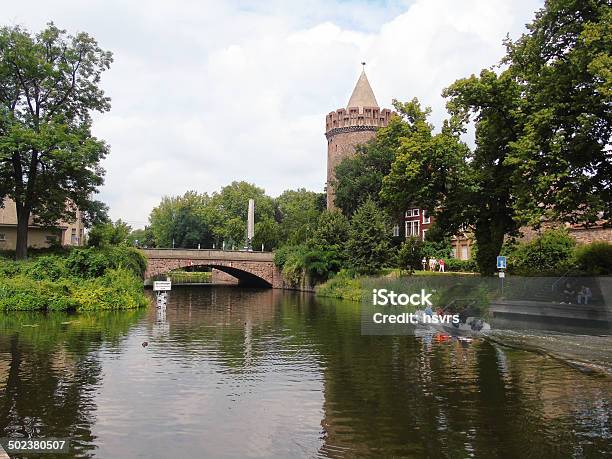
307, 263
297, 212
410, 254
548, 254
49, 86
47, 267
594, 259
343, 285
360, 177
83, 279
26, 293
561, 158
332, 230
92, 262
464, 266
141, 237
368, 246
108, 233
437, 245
182, 221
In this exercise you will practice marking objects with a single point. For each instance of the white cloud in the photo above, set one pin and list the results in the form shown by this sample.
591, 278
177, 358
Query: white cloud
208, 92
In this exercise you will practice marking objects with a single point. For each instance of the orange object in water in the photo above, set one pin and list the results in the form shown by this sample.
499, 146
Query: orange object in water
442, 338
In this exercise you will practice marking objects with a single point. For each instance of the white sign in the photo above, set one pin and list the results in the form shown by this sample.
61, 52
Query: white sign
162, 286
502, 274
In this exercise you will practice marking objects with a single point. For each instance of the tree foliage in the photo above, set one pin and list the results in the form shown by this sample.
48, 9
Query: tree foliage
561, 158
108, 233
49, 160
368, 246
359, 177
297, 213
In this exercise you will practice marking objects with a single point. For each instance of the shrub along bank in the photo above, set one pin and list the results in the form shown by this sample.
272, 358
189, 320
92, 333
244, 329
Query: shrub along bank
82, 279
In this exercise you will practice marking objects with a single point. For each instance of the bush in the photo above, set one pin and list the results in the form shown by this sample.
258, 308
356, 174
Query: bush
549, 254
8, 268
465, 266
86, 279
24, 293
93, 262
410, 254
342, 285
116, 289
594, 259
49, 267
368, 248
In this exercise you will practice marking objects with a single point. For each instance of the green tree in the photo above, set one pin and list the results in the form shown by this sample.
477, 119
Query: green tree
108, 233
332, 230
550, 253
141, 237
229, 211
298, 212
266, 234
464, 188
360, 177
561, 158
410, 254
182, 221
368, 245
49, 161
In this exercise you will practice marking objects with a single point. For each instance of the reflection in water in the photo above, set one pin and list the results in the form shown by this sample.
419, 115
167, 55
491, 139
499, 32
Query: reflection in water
262, 373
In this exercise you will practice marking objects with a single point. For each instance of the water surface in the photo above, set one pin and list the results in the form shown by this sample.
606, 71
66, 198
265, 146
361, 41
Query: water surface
229, 372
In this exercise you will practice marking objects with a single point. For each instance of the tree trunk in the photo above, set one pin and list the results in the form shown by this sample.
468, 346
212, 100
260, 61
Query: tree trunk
489, 240
23, 218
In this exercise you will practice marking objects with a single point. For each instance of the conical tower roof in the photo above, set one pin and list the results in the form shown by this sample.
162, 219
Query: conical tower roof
362, 96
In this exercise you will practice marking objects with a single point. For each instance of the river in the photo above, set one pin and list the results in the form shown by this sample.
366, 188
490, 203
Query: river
229, 372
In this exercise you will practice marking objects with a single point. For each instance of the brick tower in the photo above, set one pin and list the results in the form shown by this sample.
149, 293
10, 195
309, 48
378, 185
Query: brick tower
351, 126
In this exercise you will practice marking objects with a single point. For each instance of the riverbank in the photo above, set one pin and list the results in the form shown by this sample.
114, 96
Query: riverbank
80, 279
347, 286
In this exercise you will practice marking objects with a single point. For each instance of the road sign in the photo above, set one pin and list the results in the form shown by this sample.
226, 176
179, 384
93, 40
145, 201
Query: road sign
502, 262
162, 286
502, 274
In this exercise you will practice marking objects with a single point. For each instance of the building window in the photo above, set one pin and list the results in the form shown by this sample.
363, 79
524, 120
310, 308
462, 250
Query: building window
424, 231
426, 217
412, 228
409, 213
415, 212
465, 254
396, 231
2, 237
51, 239
74, 240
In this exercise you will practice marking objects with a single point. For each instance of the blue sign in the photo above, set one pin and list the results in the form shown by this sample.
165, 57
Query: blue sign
502, 263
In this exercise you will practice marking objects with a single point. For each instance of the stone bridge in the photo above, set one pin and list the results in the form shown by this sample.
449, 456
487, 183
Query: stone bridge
250, 268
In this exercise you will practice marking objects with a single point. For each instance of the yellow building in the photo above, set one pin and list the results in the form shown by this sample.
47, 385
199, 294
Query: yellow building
63, 233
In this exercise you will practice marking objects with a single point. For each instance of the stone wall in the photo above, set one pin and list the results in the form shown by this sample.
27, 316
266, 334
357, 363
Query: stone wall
344, 130
582, 235
220, 277
341, 145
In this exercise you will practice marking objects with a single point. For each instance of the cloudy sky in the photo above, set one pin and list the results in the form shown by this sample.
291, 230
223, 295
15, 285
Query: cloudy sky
206, 92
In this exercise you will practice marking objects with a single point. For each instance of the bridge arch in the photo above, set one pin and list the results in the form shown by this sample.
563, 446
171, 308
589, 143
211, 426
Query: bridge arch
250, 268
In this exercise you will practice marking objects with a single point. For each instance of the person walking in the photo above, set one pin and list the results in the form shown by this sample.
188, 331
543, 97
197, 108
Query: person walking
442, 264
